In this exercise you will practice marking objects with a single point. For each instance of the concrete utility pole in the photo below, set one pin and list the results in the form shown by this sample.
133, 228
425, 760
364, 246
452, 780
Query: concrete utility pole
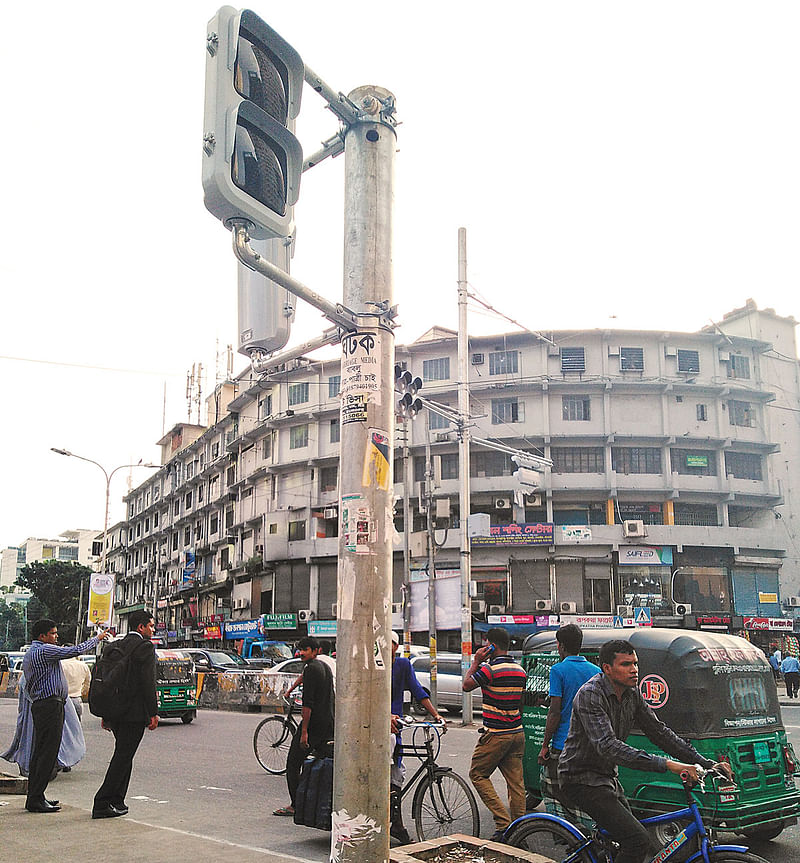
463, 473
363, 748
432, 640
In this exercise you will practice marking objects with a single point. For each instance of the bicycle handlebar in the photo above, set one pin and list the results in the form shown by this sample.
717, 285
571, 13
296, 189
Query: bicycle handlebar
702, 774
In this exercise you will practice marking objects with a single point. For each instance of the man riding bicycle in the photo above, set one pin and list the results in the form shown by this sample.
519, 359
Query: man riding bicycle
604, 711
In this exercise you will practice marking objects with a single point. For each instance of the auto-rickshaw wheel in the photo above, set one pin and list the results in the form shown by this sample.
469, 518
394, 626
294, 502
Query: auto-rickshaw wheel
764, 834
186, 718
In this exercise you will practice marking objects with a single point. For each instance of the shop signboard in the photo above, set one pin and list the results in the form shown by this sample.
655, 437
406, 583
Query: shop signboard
212, 632
236, 629
712, 622
322, 628
277, 621
645, 555
538, 533
499, 619
589, 621
575, 533
771, 624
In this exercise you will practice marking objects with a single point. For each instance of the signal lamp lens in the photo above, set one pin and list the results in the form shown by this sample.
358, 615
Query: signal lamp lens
256, 169
256, 77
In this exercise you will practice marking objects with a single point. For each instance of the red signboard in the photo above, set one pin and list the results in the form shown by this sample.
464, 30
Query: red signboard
212, 632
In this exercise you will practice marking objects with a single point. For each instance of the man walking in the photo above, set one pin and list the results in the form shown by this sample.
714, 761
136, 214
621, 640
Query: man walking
47, 689
604, 711
316, 728
141, 713
566, 678
502, 743
791, 675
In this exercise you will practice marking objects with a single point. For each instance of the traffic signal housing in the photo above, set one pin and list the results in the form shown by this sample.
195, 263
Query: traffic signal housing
252, 161
407, 386
525, 475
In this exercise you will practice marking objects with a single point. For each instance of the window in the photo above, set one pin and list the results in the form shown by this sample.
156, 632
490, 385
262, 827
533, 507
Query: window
156, 519
328, 477
273, 528
688, 361
578, 459
438, 421
702, 413
298, 437
436, 370
189, 472
266, 447
503, 362
739, 367
698, 515
215, 450
334, 383
176, 508
147, 525
507, 411
68, 552
230, 475
631, 359
297, 530
336, 431
741, 414
213, 525
175, 541
298, 393
575, 408
228, 518
743, 465
265, 406
490, 464
450, 465
694, 462
636, 459
188, 501
573, 360
187, 536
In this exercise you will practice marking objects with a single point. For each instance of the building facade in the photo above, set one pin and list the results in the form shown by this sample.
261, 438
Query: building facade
72, 546
670, 490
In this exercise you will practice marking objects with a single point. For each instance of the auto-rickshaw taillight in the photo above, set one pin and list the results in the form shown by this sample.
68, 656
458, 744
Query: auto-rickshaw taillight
788, 757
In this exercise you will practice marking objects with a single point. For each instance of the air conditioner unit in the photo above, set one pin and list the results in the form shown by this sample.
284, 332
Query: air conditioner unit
443, 436
625, 611
682, 608
502, 503
567, 607
497, 609
670, 351
794, 601
477, 359
330, 512
533, 499
553, 350
613, 351
633, 528
478, 606
305, 614
544, 604
397, 608
724, 356
335, 610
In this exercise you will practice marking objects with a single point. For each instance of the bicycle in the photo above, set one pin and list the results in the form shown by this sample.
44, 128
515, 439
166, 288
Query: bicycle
443, 802
273, 737
561, 841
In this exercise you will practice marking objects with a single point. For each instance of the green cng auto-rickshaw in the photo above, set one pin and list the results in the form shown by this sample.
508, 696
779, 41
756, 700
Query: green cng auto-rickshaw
715, 690
175, 686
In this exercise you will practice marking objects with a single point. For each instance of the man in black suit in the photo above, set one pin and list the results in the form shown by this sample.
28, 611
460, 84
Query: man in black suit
109, 802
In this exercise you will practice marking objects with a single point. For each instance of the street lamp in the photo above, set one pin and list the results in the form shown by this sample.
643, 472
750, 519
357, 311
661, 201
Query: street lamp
108, 476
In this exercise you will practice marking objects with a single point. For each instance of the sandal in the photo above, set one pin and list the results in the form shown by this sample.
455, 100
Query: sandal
284, 810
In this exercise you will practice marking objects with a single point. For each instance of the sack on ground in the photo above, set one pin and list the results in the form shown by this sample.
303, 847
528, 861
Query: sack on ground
314, 799
109, 689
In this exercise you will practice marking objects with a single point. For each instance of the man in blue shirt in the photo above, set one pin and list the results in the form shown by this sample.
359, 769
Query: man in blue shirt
791, 674
47, 688
566, 678
403, 680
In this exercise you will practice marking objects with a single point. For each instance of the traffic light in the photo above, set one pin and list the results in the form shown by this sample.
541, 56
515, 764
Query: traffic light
266, 310
408, 386
251, 159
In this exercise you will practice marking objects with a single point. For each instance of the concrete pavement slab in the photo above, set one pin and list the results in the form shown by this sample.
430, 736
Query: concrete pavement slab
71, 836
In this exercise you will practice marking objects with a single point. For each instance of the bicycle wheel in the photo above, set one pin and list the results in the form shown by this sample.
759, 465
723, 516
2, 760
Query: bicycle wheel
444, 805
550, 839
734, 857
271, 742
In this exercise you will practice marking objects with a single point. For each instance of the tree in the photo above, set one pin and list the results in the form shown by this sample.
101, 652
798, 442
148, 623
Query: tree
57, 585
12, 627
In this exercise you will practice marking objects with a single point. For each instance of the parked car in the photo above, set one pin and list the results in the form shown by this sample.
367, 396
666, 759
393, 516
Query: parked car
215, 660
448, 682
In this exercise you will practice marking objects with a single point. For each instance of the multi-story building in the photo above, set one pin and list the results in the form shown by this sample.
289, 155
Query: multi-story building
671, 476
71, 545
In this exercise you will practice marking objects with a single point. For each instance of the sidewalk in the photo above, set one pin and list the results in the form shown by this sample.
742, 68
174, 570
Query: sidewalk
71, 836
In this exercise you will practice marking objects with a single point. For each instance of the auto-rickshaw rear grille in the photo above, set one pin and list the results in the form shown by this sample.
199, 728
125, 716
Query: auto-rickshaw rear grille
752, 775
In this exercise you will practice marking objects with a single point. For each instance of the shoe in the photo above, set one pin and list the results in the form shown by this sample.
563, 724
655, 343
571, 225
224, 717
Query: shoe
497, 836
284, 810
66, 769
401, 835
42, 806
121, 807
51, 802
108, 811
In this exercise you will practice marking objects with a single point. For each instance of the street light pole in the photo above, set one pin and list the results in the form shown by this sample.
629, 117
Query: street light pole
108, 475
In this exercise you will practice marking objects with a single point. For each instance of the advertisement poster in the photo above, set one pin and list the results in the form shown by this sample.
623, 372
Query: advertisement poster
101, 599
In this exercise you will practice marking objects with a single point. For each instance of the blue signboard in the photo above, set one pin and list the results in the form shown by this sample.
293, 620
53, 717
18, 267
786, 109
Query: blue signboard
322, 628
235, 629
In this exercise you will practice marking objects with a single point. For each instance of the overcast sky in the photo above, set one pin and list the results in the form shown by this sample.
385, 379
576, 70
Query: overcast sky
629, 164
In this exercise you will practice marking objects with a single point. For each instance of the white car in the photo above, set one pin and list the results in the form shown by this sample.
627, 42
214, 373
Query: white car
448, 682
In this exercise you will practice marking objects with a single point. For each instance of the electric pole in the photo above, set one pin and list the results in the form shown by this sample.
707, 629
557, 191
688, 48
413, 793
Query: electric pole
429, 482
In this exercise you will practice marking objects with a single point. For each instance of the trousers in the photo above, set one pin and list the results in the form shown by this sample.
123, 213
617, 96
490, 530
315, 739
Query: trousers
792, 679
127, 736
610, 809
503, 752
48, 725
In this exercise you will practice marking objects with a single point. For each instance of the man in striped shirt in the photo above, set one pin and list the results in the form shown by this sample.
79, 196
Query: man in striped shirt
47, 688
502, 742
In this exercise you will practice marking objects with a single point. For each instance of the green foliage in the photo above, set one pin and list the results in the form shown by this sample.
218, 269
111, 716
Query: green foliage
12, 627
57, 586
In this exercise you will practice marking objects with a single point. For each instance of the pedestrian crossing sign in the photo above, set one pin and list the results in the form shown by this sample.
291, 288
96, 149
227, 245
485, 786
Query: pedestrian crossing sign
643, 617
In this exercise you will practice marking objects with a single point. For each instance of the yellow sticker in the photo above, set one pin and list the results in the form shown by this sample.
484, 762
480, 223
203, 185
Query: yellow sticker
377, 463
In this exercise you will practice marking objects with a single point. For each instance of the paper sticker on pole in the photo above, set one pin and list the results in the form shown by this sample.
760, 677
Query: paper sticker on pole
361, 370
358, 526
377, 462
101, 599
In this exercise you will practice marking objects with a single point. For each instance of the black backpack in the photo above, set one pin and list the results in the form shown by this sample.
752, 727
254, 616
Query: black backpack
109, 690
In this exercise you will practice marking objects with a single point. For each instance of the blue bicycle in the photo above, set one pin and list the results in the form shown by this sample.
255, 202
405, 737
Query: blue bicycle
561, 841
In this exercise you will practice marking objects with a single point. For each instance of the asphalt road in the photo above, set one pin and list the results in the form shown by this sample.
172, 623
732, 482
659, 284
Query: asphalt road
203, 779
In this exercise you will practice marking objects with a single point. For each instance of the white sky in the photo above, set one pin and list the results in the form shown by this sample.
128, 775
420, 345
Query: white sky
629, 164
